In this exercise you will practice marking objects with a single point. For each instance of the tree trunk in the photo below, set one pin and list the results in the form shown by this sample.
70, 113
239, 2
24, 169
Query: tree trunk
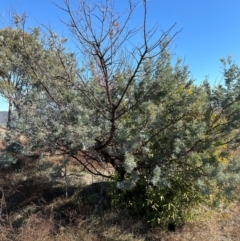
9, 121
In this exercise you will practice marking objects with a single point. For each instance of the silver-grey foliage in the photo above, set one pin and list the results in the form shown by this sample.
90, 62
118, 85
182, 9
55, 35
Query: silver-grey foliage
120, 99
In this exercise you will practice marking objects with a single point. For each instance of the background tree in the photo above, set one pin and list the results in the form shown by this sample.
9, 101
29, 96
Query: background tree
14, 77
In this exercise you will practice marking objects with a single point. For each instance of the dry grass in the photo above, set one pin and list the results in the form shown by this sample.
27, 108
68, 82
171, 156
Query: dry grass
38, 210
36, 228
22, 139
3, 129
2, 146
115, 227
2, 133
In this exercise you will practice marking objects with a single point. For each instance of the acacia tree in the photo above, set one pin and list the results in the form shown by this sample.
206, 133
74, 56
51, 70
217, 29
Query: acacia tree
110, 65
123, 102
113, 64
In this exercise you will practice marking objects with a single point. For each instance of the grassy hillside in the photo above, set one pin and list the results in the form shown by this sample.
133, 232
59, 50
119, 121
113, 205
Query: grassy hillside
36, 206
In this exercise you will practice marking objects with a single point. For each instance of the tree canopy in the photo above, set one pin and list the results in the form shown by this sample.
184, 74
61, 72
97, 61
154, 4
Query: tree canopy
15, 79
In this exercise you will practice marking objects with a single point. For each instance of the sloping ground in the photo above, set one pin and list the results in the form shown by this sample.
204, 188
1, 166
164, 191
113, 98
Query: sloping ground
37, 206
2, 133
3, 129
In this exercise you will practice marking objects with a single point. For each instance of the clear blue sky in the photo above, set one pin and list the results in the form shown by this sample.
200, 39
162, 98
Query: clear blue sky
210, 28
